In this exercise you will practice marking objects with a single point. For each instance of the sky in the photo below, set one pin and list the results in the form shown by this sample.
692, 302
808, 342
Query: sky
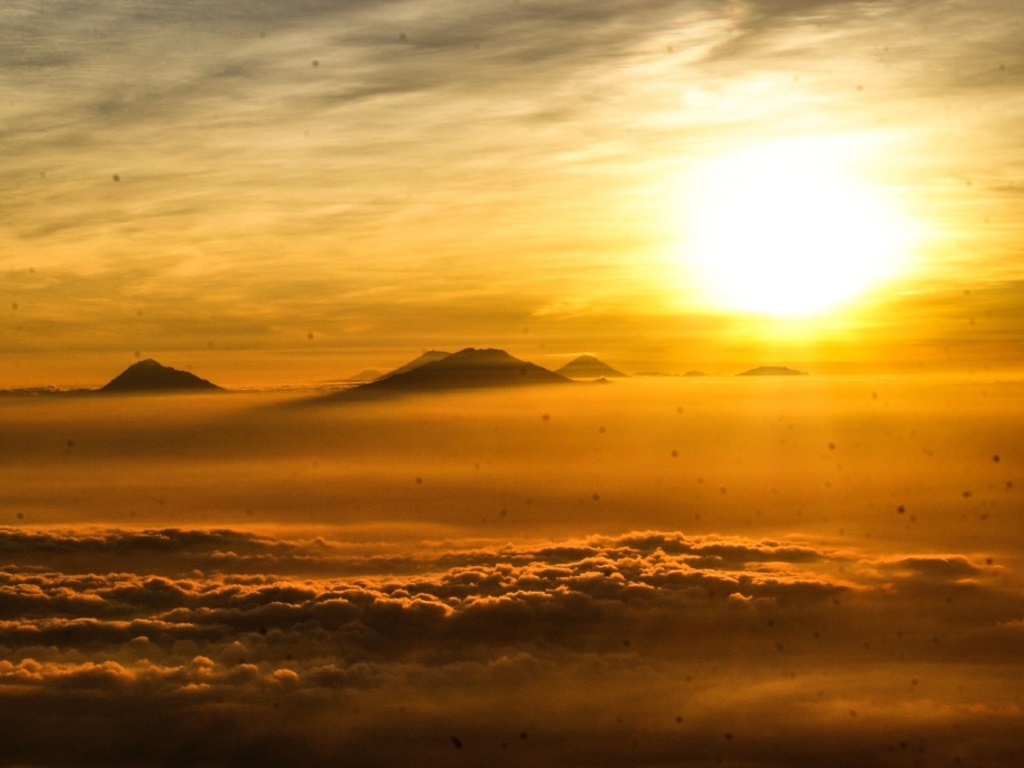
281, 193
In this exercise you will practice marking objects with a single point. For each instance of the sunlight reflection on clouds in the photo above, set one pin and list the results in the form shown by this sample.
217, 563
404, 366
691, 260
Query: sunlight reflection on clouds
732, 633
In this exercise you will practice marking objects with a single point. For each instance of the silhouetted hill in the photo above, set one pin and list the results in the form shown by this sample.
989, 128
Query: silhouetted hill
589, 367
427, 357
149, 376
368, 375
468, 369
772, 370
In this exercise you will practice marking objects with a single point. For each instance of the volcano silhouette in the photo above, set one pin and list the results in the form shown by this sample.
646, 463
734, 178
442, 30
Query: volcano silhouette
772, 370
468, 369
150, 376
427, 357
589, 367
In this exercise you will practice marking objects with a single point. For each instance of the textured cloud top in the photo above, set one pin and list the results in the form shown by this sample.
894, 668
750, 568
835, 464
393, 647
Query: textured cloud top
234, 647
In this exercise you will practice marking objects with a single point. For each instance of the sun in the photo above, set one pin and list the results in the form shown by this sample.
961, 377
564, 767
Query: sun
788, 230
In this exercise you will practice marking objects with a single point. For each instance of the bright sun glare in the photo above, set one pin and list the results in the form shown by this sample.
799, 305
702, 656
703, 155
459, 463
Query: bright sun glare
786, 230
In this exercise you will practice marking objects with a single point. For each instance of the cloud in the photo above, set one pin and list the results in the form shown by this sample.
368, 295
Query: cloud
935, 569
708, 626
575, 596
386, 145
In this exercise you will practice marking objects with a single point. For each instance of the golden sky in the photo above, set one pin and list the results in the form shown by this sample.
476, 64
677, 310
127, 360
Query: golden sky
290, 192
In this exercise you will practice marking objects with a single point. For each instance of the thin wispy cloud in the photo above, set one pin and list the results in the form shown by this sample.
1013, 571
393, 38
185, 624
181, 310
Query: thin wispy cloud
436, 150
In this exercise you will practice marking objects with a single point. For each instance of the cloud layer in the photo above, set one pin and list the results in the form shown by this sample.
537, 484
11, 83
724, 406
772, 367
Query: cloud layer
645, 647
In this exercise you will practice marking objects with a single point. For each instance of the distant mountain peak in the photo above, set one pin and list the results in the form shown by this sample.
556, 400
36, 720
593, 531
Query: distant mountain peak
483, 354
149, 364
772, 370
148, 375
369, 374
427, 357
470, 368
589, 367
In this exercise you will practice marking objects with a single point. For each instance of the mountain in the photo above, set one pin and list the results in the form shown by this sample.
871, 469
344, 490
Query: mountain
149, 376
468, 369
427, 357
368, 375
589, 367
772, 370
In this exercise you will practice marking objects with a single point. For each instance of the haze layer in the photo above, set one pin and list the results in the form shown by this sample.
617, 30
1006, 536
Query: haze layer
769, 571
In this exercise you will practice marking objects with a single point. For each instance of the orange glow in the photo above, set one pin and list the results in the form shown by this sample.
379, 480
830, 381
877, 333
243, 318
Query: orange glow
774, 520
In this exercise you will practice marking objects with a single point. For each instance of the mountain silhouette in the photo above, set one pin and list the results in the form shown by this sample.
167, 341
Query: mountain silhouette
589, 367
367, 375
469, 369
772, 370
149, 376
427, 357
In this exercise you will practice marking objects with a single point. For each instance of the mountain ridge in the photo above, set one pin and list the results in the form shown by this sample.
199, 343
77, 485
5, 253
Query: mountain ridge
589, 367
470, 368
150, 376
430, 356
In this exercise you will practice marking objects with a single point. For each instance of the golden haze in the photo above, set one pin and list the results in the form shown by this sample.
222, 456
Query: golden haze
819, 569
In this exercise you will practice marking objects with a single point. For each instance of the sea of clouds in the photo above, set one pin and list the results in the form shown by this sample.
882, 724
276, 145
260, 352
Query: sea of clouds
234, 647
